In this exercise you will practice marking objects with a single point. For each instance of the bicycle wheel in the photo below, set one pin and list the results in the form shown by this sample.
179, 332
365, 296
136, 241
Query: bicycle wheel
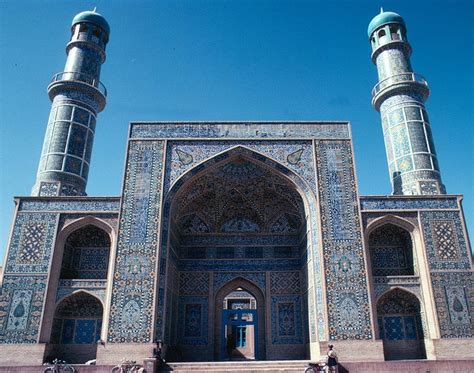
67, 369
117, 369
49, 370
135, 369
310, 370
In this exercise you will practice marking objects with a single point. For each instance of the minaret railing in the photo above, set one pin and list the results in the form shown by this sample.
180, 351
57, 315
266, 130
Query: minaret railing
394, 79
80, 77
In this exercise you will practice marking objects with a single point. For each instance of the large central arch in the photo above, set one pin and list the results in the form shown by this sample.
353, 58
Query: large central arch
259, 235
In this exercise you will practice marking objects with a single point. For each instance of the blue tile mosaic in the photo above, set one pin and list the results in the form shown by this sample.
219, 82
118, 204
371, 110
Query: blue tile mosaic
453, 295
248, 130
346, 284
131, 312
410, 203
73, 204
444, 239
193, 318
21, 308
31, 243
286, 319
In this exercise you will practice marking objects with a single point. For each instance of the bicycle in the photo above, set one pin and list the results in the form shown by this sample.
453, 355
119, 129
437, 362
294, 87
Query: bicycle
315, 367
58, 366
128, 366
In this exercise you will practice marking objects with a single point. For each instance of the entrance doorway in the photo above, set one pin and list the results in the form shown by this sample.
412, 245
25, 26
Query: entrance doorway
239, 327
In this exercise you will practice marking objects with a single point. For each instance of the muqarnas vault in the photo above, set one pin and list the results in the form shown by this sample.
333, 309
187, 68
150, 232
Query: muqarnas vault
237, 239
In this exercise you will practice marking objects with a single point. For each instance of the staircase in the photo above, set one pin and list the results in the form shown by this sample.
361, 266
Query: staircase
238, 366
400, 366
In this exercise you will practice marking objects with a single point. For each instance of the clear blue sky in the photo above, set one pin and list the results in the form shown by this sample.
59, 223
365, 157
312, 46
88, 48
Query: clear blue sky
233, 60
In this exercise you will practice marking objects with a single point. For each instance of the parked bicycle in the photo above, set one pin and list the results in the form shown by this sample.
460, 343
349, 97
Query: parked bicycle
128, 366
58, 366
315, 367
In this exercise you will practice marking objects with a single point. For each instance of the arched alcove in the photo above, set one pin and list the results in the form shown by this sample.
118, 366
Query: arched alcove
400, 325
86, 254
76, 328
237, 216
391, 251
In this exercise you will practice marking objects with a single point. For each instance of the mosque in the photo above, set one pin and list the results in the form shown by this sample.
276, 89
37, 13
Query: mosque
237, 240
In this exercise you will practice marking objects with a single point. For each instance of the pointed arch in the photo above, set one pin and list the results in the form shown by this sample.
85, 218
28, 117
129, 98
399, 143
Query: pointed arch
300, 185
390, 219
240, 282
391, 247
56, 264
181, 250
79, 292
400, 324
77, 326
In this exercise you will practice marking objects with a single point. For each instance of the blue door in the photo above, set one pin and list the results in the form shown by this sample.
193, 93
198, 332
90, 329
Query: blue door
234, 330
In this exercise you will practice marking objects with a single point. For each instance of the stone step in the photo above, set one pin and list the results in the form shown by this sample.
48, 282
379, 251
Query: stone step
239, 366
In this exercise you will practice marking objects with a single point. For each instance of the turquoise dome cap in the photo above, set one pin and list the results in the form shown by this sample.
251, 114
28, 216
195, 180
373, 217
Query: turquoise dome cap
92, 17
382, 19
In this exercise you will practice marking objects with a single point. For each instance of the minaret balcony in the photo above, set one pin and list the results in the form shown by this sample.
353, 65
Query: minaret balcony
80, 77
71, 80
398, 82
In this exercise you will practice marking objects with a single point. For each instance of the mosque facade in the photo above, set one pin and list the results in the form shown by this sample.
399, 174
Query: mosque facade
237, 240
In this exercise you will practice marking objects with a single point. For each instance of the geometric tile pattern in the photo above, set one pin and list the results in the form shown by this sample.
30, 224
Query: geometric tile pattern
131, 312
285, 282
346, 284
411, 156
413, 203
31, 243
454, 298
193, 283
89, 204
257, 278
396, 328
444, 240
286, 320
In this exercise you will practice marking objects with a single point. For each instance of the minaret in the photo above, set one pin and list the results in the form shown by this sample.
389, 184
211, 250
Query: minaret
77, 96
399, 96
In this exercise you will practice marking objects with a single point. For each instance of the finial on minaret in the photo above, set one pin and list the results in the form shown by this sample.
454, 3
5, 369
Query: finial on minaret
381, 10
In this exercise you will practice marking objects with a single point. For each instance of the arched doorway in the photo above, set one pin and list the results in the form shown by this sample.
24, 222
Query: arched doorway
236, 216
76, 328
239, 321
400, 326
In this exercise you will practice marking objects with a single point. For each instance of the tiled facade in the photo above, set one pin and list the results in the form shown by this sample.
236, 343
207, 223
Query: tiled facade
211, 209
